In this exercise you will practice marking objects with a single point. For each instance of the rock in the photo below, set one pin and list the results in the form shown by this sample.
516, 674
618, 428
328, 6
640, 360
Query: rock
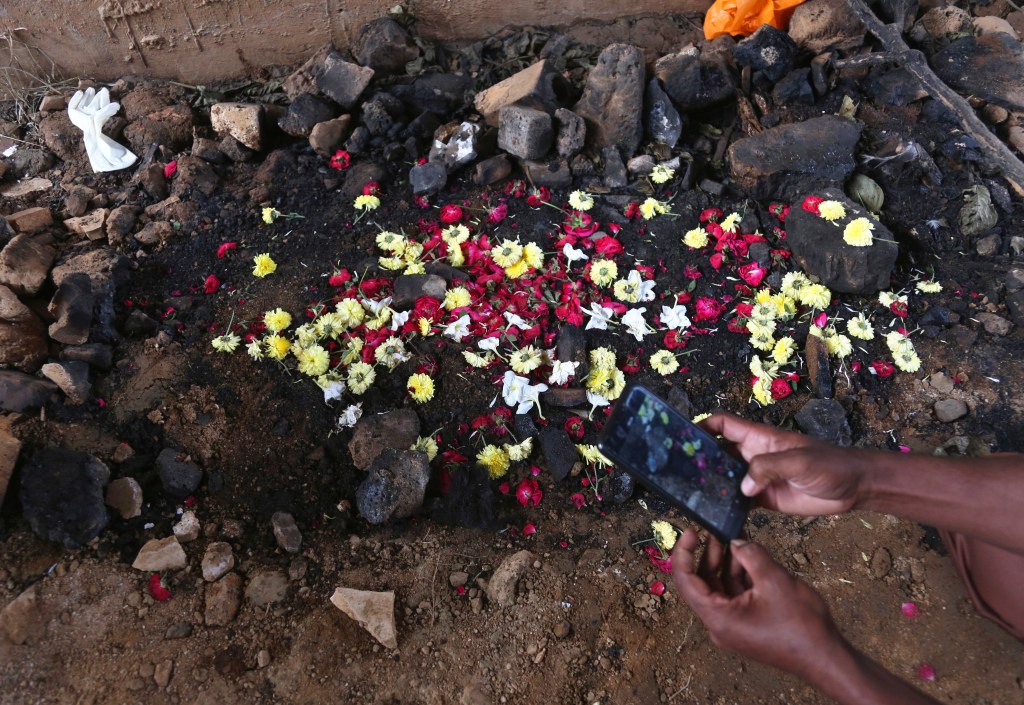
695, 80
565, 397
397, 429
153, 181
178, 630
158, 555
373, 611
819, 373
72, 378
881, 563
376, 118
217, 561
179, 478
434, 92
1015, 305
540, 87
394, 486
940, 26
679, 400
939, 316
31, 220
994, 325
22, 335
562, 630
194, 175
492, 170
207, 150
818, 25
559, 452
267, 587
305, 113
458, 579
22, 620
501, 588
619, 487
383, 45
155, 233
286, 532
819, 248
612, 100
72, 307
223, 599
25, 189
170, 127
103, 266
664, 123
614, 169
327, 137
303, 79
61, 137
125, 495
89, 225
120, 224
768, 50
989, 246
824, 419
243, 121
357, 177
459, 149
804, 156
341, 81
139, 325
20, 392
525, 132
988, 67
62, 496
554, 174
10, 447
24, 264
427, 179
235, 150
571, 135
277, 168
1014, 280
410, 287
162, 673
188, 528
949, 410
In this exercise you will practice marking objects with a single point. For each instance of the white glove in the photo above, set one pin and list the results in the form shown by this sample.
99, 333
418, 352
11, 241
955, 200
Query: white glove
88, 111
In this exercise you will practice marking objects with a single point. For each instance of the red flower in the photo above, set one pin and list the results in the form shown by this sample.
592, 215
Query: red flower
426, 307
529, 530
657, 588
811, 204
910, 609
608, 246
752, 273
883, 368
451, 214
211, 284
664, 564
528, 493
716, 261
538, 197
340, 279
925, 672
779, 210
460, 590
497, 214
226, 247
780, 389
170, 169
516, 188
157, 590
743, 310
574, 427
504, 488
633, 210
899, 308
711, 214
341, 160
707, 309
821, 319
371, 188
579, 500
673, 341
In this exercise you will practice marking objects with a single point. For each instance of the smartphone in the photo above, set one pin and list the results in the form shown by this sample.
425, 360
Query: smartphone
677, 459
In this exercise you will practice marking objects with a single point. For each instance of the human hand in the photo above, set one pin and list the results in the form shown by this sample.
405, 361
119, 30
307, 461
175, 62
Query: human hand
752, 606
790, 472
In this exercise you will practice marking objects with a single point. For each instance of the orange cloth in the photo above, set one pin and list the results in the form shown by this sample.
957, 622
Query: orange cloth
744, 17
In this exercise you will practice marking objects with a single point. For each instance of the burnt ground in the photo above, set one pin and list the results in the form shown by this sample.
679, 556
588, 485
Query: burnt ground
267, 443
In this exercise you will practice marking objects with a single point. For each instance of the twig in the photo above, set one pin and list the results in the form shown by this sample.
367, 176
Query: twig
995, 150
685, 687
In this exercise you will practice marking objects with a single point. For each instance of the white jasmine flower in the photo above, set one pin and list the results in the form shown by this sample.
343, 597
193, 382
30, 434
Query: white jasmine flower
600, 317
674, 318
515, 321
635, 323
457, 330
334, 390
350, 415
572, 255
490, 344
399, 319
562, 371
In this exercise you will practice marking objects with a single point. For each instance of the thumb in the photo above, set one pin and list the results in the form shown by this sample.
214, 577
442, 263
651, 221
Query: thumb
755, 561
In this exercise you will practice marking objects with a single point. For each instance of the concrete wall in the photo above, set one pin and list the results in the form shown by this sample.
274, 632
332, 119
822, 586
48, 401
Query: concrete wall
196, 41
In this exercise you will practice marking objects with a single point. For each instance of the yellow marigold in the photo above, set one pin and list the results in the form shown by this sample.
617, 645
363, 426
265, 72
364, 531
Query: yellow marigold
700, 417
858, 232
838, 344
277, 320
526, 360
907, 360
652, 207
731, 222
425, 325
391, 242
664, 534
664, 362
627, 291
456, 256
412, 252
421, 387
517, 270
533, 255
391, 263
860, 327
764, 313
477, 360
277, 347
609, 383
519, 451
366, 202
793, 282
329, 325
603, 272
264, 265
226, 343
459, 297
929, 287
415, 268
816, 296
581, 200
255, 349
831, 210
360, 376
591, 454
695, 239
763, 339
495, 459
783, 350
507, 253
785, 306
351, 311
602, 358
455, 234
763, 392
270, 215
426, 444
661, 173
758, 327
897, 342
352, 350
314, 360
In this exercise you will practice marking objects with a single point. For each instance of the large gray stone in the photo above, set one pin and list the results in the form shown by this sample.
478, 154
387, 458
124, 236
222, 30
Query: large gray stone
559, 451
394, 486
540, 87
613, 99
988, 67
824, 419
342, 81
664, 123
62, 496
72, 377
24, 263
768, 50
21, 392
178, 477
384, 45
22, 335
525, 132
372, 435
817, 25
694, 79
72, 306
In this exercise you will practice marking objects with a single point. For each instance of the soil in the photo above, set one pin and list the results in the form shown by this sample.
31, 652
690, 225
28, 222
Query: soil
585, 626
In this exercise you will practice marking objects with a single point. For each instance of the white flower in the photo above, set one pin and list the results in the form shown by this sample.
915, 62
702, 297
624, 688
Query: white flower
599, 317
457, 330
515, 321
635, 323
643, 287
674, 318
488, 343
375, 307
350, 415
596, 400
572, 255
334, 390
399, 319
562, 371
516, 390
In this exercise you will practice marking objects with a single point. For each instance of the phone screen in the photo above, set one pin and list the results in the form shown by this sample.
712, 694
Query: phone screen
672, 455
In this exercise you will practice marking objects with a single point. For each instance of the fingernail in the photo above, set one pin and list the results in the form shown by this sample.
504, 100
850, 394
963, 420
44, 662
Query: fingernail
748, 486
739, 543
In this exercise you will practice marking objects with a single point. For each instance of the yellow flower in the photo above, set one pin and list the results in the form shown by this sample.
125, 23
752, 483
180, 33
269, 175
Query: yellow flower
495, 459
838, 344
929, 287
425, 325
627, 291
731, 222
664, 534
421, 387
831, 210
793, 282
455, 234
305, 335
351, 312
277, 347
507, 253
661, 173
898, 343
858, 232
412, 252
764, 313
592, 455
366, 203
264, 265
329, 325
270, 215
783, 350
695, 239
700, 417
815, 295
391, 263
426, 445
609, 383
907, 360
391, 352
255, 350
602, 358
360, 377
652, 207
314, 360
603, 272
459, 297
785, 306
477, 360
415, 268
520, 451
390, 242
763, 338
525, 360
456, 256
860, 327
226, 343
760, 328
664, 362
581, 200
763, 392
277, 320
517, 270
533, 255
